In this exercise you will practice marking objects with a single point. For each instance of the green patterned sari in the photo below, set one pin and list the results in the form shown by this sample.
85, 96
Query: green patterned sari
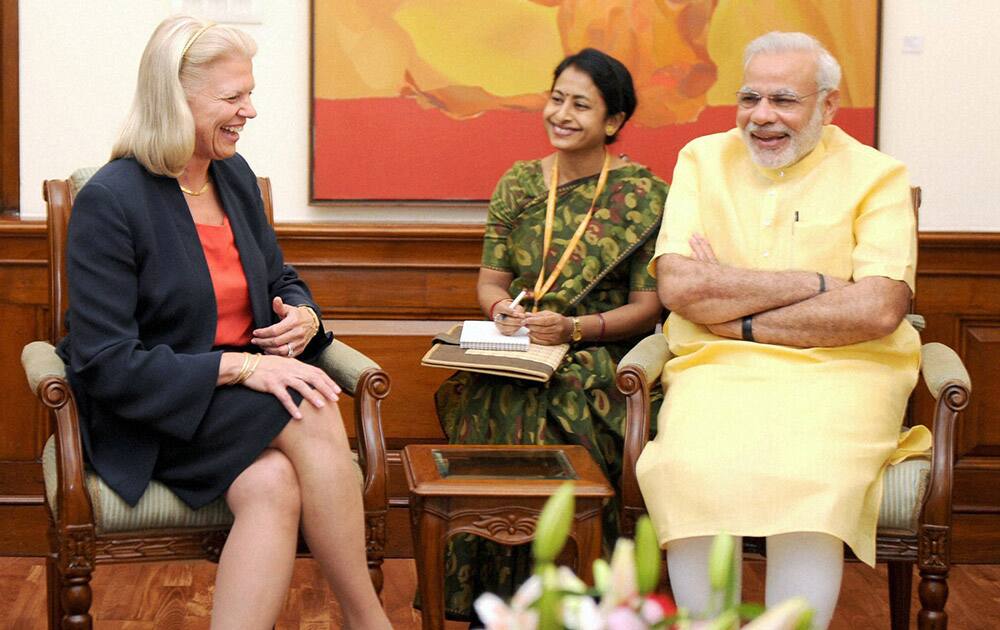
580, 404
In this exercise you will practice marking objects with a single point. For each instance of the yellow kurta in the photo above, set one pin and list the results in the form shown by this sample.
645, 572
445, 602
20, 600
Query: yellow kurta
758, 439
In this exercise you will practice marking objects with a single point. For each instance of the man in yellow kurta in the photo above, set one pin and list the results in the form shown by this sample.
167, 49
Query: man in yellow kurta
787, 258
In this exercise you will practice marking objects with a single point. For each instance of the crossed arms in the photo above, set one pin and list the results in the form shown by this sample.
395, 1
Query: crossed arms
787, 306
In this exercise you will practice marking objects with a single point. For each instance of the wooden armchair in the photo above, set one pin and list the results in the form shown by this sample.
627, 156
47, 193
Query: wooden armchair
914, 523
915, 518
90, 524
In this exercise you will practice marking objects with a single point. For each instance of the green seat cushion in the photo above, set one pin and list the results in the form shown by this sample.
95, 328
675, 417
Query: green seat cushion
903, 489
158, 508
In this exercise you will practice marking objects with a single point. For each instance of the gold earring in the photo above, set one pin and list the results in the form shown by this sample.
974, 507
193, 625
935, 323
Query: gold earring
610, 130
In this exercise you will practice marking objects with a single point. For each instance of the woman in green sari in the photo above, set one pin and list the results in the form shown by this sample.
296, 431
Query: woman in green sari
576, 230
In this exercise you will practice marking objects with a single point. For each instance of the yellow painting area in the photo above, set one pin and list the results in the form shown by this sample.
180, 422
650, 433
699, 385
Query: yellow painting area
466, 57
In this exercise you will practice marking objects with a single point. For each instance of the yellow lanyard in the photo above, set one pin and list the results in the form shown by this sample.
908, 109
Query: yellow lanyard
543, 285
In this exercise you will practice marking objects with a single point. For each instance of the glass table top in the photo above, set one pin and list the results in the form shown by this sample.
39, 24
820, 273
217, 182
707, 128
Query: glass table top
477, 464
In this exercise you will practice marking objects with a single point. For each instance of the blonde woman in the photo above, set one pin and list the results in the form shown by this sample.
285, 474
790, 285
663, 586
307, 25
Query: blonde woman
188, 335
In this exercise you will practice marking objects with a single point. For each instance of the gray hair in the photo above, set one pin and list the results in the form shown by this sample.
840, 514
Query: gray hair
159, 131
827, 68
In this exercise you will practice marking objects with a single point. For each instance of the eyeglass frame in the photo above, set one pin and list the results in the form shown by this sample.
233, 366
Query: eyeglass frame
795, 99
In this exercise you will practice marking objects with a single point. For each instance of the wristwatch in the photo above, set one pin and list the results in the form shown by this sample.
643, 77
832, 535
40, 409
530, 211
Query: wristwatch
577, 333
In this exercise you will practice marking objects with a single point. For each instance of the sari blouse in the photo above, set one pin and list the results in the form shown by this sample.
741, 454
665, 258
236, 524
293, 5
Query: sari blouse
627, 214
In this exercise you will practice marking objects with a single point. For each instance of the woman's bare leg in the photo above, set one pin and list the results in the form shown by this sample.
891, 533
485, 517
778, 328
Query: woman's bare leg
332, 510
255, 568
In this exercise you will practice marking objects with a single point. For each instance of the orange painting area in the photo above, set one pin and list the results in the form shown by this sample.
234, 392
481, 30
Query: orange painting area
392, 149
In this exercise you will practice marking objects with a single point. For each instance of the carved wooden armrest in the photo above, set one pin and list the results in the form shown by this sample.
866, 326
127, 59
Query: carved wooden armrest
47, 377
637, 370
949, 383
368, 383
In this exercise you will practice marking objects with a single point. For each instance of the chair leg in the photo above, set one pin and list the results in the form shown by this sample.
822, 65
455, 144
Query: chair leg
933, 595
934, 546
53, 595
69, 582
375, 547
900, 591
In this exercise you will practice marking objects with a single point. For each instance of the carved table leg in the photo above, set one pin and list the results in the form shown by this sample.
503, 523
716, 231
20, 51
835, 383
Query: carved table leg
587, 532
428, 551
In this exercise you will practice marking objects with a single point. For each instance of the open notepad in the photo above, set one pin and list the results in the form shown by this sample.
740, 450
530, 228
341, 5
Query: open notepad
483, 335
537, 363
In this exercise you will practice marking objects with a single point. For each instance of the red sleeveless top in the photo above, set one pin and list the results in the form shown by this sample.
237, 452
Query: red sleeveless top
232, 300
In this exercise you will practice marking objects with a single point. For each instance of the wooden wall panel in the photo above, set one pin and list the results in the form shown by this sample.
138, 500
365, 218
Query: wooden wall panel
389, 289
24, 424
397, 346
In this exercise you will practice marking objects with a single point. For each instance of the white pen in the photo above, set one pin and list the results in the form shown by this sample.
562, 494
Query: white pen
517, 300
520, 296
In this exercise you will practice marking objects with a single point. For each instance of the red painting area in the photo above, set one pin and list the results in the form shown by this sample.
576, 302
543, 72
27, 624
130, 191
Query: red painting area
392, 150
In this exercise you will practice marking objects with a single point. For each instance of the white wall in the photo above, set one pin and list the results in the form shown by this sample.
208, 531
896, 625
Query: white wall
940, 108
79, 59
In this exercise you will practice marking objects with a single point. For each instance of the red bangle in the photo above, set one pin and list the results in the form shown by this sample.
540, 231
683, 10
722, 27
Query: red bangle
600, 337
494, 305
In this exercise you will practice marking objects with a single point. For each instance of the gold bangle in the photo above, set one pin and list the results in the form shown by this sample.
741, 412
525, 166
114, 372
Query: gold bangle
245, 371
253, 366
236, 379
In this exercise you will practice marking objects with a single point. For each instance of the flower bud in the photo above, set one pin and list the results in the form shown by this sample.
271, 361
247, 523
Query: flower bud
602, 575
647, 556
720, 562
553, 525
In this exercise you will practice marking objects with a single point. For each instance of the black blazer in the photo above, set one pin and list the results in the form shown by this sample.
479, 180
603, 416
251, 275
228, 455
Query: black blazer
142, 311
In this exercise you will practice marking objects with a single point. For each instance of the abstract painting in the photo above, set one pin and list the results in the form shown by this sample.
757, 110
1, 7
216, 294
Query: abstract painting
432, 100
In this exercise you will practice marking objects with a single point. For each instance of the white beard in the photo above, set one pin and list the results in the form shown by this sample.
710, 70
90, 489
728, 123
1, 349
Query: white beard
801, 142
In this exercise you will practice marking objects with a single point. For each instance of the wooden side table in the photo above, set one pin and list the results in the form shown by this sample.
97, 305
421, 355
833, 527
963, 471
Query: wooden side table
496, 492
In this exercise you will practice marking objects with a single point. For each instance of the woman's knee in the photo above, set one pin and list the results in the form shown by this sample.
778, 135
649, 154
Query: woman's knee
270, 481
319, 426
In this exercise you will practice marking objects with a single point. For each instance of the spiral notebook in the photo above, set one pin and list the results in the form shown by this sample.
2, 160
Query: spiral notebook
483, 335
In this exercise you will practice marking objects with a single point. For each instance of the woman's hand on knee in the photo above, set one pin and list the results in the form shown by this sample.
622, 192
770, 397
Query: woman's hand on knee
275, 375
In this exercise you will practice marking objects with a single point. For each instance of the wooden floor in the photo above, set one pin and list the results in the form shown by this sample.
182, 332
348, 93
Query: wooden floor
178, 595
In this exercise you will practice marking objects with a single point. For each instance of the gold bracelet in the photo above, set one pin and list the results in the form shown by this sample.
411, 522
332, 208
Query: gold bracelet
236, 379
253, 366
315, 320
245, 372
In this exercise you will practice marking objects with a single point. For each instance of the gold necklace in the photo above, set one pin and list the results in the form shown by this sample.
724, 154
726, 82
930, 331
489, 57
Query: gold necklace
191, 192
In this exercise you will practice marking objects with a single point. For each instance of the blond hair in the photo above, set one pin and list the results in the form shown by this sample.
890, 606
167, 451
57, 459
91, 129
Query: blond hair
159, 131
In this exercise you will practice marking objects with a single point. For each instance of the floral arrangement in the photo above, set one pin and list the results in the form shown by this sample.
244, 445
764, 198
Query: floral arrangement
623, 596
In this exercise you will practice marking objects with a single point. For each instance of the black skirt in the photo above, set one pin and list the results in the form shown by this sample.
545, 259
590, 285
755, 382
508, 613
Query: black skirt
238, 425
